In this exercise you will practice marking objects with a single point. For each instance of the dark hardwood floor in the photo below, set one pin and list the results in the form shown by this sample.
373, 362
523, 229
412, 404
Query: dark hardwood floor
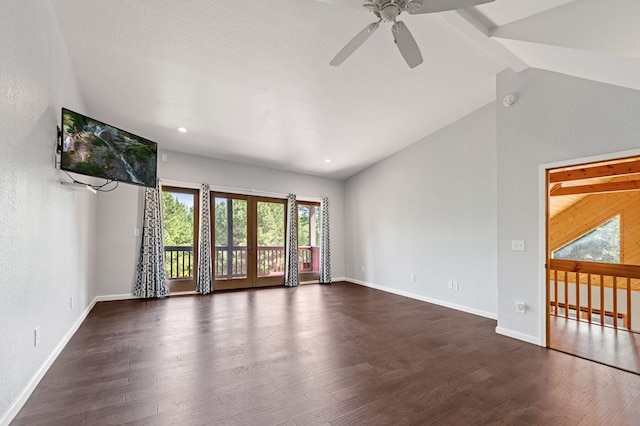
325, 355
618, 348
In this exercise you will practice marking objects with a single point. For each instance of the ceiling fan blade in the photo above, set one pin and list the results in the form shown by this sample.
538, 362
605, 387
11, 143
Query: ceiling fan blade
355, 42
430, 6
406, 44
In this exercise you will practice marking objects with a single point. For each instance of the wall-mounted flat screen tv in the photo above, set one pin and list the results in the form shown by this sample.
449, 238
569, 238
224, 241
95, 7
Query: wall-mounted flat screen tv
92, 148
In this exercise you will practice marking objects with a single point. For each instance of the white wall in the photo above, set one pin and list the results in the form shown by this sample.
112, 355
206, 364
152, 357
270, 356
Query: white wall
119, 212
47, 230
556, 118
430, 210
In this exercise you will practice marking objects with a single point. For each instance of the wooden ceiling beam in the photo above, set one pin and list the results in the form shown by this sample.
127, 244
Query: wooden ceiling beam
554, 188
630, 185
608, 170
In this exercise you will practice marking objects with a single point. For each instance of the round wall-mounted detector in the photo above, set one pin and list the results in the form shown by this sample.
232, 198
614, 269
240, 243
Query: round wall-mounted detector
508, 100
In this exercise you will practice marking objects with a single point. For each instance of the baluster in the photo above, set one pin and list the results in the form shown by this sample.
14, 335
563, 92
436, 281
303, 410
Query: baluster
566, 295
167, 257
578, 310
628, 318
589, 297
602, 300
555, 290
243, 261
615, 302
171, 272
189, 253
234, 262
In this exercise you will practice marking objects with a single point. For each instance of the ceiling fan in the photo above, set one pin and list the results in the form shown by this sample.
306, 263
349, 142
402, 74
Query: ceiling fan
388, 11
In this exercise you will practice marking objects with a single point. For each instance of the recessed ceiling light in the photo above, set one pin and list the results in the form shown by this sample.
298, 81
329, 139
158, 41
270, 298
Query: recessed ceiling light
328, 160
182, 129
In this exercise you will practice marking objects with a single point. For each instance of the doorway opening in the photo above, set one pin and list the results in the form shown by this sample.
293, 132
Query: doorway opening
593, 261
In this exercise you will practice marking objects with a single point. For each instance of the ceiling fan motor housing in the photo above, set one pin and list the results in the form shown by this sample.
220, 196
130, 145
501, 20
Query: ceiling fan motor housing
389, 12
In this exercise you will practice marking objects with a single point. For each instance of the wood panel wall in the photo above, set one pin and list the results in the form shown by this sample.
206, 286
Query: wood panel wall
594, 210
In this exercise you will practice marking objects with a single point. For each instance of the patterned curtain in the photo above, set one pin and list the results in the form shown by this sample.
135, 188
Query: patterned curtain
325, 255
150, 274
291, 278
204, 285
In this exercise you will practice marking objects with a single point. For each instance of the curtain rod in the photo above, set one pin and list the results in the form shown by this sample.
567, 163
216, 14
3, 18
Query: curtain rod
237, 190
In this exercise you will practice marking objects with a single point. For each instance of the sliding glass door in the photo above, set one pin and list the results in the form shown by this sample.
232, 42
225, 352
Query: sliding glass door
248, 235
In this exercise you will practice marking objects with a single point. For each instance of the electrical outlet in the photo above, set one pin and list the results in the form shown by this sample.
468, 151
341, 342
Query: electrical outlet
362, 269
412, 278
70, 302
136, 232
455, 286
36, 336
521, 307
450, 284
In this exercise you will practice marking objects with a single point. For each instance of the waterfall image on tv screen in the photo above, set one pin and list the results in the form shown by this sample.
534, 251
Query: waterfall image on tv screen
92, 148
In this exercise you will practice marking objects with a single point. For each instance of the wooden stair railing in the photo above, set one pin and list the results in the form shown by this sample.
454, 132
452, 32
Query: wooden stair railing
579, 272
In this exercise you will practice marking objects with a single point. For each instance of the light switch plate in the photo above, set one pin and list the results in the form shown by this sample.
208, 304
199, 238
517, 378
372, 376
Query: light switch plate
517, 245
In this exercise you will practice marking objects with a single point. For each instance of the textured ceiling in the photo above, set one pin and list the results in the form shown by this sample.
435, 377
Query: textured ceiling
251, 80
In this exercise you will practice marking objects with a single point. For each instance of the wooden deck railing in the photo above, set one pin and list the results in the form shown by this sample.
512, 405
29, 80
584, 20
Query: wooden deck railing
271, 261
179, 261
590, 281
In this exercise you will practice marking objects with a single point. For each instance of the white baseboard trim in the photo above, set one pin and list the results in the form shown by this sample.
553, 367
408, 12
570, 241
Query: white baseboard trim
112, 297
520, 336
446, 304
17, 404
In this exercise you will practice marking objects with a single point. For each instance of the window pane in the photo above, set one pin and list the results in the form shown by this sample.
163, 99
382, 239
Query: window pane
271, 237
303, 225
230, 225
308, 237
600, 245
317, 212
177, 210
221, 222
